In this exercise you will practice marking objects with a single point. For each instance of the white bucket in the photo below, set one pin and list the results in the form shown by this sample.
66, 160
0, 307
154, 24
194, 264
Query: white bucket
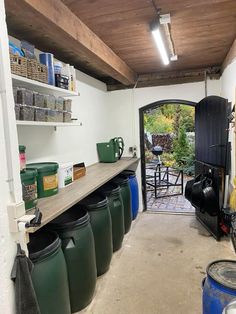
65, 174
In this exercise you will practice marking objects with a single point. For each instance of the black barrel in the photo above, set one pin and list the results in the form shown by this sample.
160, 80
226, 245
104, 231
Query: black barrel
76, 234
116, 207
100, 219
49, 274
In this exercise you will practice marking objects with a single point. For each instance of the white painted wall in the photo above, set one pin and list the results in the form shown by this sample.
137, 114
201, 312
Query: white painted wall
76, 143
124, 116
126, 103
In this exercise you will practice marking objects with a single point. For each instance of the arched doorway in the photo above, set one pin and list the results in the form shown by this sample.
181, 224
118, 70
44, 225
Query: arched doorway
142, 112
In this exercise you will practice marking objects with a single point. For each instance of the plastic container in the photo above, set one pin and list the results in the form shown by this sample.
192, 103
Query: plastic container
27, 113
24, 97
62, 81
133, 183
65, 174
59, 116
38, 100
57, 67
51, 115
50, 102
17, 111
76, 235
40, 114
123, 182
219, 287
116, 207
66, 116
15, 94
22, 157
29, 188
67, 105
73, 78
59, 103
49, 274
66, 71
47, 180
47, 59
100, 219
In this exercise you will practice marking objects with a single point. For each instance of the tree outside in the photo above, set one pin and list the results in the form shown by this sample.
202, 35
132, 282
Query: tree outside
172, 127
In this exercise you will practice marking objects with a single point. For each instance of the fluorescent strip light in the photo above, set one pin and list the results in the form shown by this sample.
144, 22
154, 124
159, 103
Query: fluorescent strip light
160, 45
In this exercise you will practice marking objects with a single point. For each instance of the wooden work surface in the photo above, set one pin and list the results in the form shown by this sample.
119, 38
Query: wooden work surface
96, 176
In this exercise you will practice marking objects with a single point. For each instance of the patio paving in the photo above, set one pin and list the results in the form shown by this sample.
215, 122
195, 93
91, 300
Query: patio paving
176, 204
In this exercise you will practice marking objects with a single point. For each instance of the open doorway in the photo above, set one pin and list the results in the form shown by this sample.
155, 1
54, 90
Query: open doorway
168, 153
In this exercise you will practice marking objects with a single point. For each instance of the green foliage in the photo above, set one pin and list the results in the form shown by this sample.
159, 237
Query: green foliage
189, 161
187, 118
157, 123
181, 147
175, 119
169, 118
168, 159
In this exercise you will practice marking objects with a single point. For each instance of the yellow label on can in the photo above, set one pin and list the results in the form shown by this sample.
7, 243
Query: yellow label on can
50, 182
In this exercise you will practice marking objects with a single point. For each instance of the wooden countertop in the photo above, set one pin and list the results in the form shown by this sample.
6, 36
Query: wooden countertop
96, 176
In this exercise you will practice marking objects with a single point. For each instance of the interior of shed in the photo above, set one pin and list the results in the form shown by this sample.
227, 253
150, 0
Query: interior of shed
97, 213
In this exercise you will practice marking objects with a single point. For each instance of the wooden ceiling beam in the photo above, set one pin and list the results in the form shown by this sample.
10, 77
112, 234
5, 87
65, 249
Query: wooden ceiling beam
170, 78
54, 21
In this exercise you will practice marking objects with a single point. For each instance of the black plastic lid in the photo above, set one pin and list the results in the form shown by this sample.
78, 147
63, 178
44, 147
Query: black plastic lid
129, 173
73, 217
223, 272
109, 188
121, 179
43, 243
94, 201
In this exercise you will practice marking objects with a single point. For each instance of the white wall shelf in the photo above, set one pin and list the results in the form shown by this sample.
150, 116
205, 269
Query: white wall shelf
47, 124
20, 81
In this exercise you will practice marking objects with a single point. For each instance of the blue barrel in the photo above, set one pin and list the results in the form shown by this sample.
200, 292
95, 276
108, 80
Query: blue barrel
133, 183
219, 287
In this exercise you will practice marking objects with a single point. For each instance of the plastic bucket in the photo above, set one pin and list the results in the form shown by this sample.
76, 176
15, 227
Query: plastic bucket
29, 188
76, 234
47, 181
123, 182
116, 207
49, 274
100, 219
22, 158
107, 152
219, 287
133, 183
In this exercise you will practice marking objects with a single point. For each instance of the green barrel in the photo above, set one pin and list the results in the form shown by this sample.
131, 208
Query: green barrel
116, 207
100, 219
47, 180
123, 182
49, 274
76, 234
29, 188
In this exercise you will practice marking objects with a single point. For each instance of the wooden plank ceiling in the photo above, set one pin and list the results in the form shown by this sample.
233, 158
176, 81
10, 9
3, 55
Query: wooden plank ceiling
202, 31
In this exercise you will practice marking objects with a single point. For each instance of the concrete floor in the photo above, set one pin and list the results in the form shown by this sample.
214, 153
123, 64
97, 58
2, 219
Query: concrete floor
159, 269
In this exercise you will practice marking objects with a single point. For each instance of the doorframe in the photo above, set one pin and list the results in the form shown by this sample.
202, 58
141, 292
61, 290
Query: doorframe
142, 110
